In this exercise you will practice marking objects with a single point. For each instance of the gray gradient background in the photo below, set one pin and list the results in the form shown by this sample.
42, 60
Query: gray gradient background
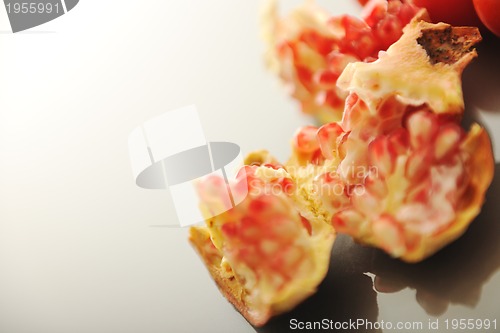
77, 250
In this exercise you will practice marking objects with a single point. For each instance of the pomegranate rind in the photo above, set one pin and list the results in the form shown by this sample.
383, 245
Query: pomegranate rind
406, 62
423, 79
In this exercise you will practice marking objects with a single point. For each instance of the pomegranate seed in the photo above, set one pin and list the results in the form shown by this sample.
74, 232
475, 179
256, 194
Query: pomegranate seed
305, 139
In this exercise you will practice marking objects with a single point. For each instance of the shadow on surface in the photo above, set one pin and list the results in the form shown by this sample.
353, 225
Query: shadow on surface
345, 294
481, 81
457, 273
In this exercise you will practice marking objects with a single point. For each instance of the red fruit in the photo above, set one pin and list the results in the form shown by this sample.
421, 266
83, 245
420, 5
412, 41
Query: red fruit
454, 12
489, 13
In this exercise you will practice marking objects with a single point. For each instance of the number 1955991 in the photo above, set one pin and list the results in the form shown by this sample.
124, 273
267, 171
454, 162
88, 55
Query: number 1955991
471, 324
32, 8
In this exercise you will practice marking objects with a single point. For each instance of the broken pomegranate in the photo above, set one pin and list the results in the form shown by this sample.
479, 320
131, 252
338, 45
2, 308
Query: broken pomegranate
416, 178
276, 255
309, 49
